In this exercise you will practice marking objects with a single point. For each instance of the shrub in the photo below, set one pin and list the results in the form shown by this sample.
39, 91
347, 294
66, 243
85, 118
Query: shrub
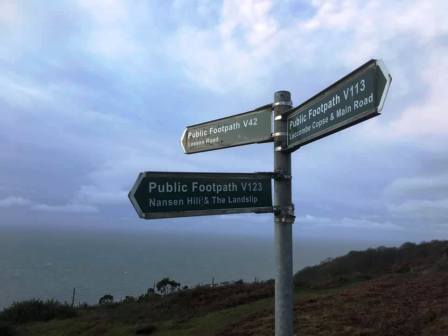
167, 286
129, 299
106, 299
36, 310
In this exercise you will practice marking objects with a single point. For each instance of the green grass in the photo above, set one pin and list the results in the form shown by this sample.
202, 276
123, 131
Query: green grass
205, 325
89, 324
212, 323
75, 327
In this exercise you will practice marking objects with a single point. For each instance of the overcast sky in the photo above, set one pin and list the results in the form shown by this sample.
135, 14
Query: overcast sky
93, 92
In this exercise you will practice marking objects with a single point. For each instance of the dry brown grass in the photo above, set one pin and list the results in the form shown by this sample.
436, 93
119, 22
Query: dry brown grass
395, 305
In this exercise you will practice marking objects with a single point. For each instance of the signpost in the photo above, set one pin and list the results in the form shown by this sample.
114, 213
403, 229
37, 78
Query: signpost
357, 97
166, 195
241, 129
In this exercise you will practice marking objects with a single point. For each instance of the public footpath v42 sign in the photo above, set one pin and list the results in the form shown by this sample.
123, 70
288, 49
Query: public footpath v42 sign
358, 96
240, 129
169, 194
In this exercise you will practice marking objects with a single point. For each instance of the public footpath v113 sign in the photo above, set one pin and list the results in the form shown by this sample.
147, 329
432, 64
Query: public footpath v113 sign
240, 129
357, 97
178, 194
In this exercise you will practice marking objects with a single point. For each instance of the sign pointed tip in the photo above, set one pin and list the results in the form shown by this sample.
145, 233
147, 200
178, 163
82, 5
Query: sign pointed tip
388, 80
384, 70
133, 191
183, 141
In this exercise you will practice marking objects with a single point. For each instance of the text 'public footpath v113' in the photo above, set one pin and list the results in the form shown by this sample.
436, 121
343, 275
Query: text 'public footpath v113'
357, 97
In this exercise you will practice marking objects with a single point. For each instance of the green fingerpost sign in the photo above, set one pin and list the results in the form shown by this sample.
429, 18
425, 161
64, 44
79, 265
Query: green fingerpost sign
179, 194
357, 97
240, 129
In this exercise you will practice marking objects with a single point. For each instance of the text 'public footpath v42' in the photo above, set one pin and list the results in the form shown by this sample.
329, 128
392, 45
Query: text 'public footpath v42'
357, 97
240, 129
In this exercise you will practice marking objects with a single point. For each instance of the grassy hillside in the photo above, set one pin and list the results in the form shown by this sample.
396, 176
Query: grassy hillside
382, 291
372, 263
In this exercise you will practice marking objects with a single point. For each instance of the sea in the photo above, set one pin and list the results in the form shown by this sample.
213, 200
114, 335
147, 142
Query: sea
52, 264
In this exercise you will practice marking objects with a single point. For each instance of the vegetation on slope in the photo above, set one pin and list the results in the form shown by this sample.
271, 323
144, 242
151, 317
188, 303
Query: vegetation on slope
391, 305
375, 262
36, 310
381, 291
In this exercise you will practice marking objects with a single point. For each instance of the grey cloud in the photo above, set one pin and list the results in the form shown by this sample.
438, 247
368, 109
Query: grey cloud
18, 201
12, 201
420, 202
71, 208
420, 186
427, 211
346, 222
95, 195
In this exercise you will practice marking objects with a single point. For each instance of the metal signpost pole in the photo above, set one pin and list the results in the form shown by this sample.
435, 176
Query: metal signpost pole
284, 218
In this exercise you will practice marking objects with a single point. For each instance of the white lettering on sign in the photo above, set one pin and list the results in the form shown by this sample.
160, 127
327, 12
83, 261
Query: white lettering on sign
250, 122
299, 119
319, 123
197, 143
197, 133
340, 112
355, 89
252, 186
242, 199
209, 135
210, 141
154, 202
224, 128
241, 129
213, 187
323, 107
167, 187
201, 187
362, 102
198, 200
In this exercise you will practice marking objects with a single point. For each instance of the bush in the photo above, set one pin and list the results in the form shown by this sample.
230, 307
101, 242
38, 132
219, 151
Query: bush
167, 286
106, 299
129, 299
36, 310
